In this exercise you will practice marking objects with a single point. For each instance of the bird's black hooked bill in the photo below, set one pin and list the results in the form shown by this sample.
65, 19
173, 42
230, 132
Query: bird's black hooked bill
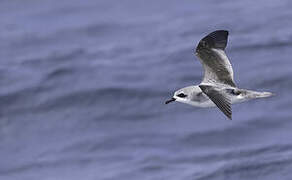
169, 101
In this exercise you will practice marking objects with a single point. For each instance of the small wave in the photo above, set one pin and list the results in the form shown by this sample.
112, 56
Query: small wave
250, 169
129, 92
35, 166
101, 28
277, 81
236, 155
93, 96
128, 141
59, 72
233, 135
21, 99
271, 45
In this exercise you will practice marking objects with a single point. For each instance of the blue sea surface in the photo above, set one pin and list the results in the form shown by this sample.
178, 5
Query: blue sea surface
83, 85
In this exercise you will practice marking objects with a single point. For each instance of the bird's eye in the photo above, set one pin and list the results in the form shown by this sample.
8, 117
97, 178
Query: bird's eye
182, 95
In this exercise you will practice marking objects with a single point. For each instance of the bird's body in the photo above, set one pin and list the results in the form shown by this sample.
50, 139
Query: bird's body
217, 87
197, 98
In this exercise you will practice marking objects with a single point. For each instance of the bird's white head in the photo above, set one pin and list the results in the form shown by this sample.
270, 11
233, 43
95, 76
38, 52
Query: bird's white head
185, 95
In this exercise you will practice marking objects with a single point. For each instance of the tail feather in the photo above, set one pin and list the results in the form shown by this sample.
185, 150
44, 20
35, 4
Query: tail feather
264, 94
255, 94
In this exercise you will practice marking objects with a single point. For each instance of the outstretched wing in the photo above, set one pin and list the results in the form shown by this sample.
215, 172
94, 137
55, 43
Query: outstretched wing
218, 98
210, 51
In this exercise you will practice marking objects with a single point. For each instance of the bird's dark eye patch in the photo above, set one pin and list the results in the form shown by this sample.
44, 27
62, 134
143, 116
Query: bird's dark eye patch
182, 95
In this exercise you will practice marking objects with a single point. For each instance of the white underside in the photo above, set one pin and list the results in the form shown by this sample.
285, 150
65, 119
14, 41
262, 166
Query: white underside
205, 102
209, 103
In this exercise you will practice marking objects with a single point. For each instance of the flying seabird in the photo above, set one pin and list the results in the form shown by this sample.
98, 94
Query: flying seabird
217, 87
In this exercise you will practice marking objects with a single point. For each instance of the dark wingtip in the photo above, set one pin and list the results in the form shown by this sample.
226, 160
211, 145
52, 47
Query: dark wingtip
216, 39
230, 117
219, 34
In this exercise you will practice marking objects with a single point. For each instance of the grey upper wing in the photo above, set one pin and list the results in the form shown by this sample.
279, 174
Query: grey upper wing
218, 98
210, 51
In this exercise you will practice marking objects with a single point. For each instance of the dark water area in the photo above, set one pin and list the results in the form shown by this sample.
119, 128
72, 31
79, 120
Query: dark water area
83, 86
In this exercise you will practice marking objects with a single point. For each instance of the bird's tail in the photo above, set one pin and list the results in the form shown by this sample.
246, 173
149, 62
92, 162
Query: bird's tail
249, 94
267, 94
263, 94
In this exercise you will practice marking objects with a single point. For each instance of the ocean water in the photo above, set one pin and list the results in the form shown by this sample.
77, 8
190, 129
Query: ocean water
83, 86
